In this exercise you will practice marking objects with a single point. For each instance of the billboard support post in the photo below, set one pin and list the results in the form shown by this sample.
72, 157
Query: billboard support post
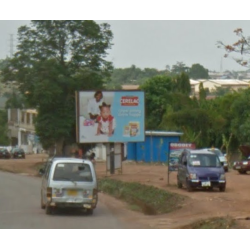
112, 158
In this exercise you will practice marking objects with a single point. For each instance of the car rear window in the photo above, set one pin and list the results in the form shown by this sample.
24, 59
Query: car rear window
20, 150
73, 172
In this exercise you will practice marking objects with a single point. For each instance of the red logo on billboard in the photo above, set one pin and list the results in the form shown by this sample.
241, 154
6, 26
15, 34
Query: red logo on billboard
129, 101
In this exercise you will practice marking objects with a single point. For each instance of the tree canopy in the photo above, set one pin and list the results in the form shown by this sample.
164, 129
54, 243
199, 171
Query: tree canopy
197, 71
53, 60
239, 50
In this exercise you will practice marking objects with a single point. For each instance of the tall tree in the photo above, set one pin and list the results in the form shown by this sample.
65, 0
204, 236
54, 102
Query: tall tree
4, 140
197, 71
53, 60
157, 94
241, 46
179, 67
183, 83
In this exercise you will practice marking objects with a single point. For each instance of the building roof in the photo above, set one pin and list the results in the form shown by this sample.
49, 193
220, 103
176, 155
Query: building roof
31, 111
163, 133
130, 87
222, 82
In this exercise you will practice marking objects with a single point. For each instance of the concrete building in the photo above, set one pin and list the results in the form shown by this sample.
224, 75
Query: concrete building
21, 130
223, 83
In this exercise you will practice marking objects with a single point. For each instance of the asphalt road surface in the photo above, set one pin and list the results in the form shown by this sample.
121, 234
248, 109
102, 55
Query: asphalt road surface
20, 208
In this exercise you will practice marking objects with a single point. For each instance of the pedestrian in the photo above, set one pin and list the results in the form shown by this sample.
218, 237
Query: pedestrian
92, 158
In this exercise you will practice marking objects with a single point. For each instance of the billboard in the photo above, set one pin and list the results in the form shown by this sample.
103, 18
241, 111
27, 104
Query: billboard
175, 150
110, 116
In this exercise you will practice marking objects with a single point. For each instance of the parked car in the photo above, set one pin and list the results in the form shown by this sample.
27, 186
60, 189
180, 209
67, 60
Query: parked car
243, 166
18, 153
200, 169
4, 153
68, 183
221, 156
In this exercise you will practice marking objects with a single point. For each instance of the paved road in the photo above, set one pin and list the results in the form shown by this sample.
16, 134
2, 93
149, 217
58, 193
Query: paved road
20, 208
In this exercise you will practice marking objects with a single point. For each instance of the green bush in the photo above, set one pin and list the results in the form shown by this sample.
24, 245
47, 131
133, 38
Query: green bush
151, 200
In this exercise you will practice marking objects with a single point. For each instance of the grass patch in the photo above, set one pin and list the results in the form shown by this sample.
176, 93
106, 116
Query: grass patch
213, 223
150, 200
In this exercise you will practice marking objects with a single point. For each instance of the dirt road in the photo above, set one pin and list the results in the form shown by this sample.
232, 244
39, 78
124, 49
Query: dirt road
234, 202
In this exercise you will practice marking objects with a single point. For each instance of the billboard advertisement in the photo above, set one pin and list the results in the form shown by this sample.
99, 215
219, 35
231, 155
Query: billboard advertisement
110, 116
175, 150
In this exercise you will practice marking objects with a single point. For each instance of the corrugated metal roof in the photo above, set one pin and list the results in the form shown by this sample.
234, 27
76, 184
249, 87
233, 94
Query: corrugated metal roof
221, 82
163, 133
130, 87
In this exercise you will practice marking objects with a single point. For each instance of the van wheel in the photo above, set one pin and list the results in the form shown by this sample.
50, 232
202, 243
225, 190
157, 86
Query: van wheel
222, 189
48, 209
42, 205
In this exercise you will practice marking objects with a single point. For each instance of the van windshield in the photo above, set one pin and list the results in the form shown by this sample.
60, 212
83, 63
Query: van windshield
204, 160
73, 172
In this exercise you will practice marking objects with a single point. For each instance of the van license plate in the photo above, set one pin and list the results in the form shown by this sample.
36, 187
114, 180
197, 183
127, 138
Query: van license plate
206, 184
72, 193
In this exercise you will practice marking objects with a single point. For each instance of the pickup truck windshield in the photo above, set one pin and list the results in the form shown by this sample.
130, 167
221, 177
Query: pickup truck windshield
204, 160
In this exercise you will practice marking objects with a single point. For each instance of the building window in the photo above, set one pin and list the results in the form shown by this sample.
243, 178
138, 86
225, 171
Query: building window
22, 118
28, 118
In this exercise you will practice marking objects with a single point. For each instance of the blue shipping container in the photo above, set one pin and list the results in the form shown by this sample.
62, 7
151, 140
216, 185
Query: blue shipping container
155, 148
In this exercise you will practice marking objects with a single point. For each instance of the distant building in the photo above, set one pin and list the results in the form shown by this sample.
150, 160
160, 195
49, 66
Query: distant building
130, 87
22, 131
211, 84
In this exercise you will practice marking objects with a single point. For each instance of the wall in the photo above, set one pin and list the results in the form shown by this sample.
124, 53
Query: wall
153, 149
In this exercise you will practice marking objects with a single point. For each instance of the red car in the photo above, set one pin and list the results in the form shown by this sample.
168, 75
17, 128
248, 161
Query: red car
4, 153
243, 166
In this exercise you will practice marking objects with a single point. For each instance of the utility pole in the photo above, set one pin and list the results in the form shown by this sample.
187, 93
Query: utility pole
11, 45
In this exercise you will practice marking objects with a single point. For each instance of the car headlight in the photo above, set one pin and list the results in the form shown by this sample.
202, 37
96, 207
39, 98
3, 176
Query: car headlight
192, 176
245, 162
222, 177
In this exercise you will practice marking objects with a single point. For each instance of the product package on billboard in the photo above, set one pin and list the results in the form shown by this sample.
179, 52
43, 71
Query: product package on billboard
110, 116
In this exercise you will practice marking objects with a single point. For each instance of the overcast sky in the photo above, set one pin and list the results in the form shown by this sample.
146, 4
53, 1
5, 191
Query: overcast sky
155, 44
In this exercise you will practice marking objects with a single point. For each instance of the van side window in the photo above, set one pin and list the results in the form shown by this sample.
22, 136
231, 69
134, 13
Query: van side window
47, 170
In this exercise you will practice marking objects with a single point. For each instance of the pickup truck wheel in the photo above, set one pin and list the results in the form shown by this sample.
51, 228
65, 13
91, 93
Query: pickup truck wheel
189, 188
242, 171
179, 184
222, 189
90, 211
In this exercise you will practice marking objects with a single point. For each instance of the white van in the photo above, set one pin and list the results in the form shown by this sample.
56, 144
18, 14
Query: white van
68, 183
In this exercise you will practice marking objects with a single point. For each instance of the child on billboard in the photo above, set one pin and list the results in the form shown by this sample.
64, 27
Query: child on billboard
106, 122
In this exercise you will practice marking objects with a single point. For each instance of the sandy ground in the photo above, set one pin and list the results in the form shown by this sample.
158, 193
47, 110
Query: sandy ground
234, 202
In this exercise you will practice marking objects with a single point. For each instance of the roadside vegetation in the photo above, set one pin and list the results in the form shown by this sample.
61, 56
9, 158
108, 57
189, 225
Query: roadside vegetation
56, 58
146, 199
213, 223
